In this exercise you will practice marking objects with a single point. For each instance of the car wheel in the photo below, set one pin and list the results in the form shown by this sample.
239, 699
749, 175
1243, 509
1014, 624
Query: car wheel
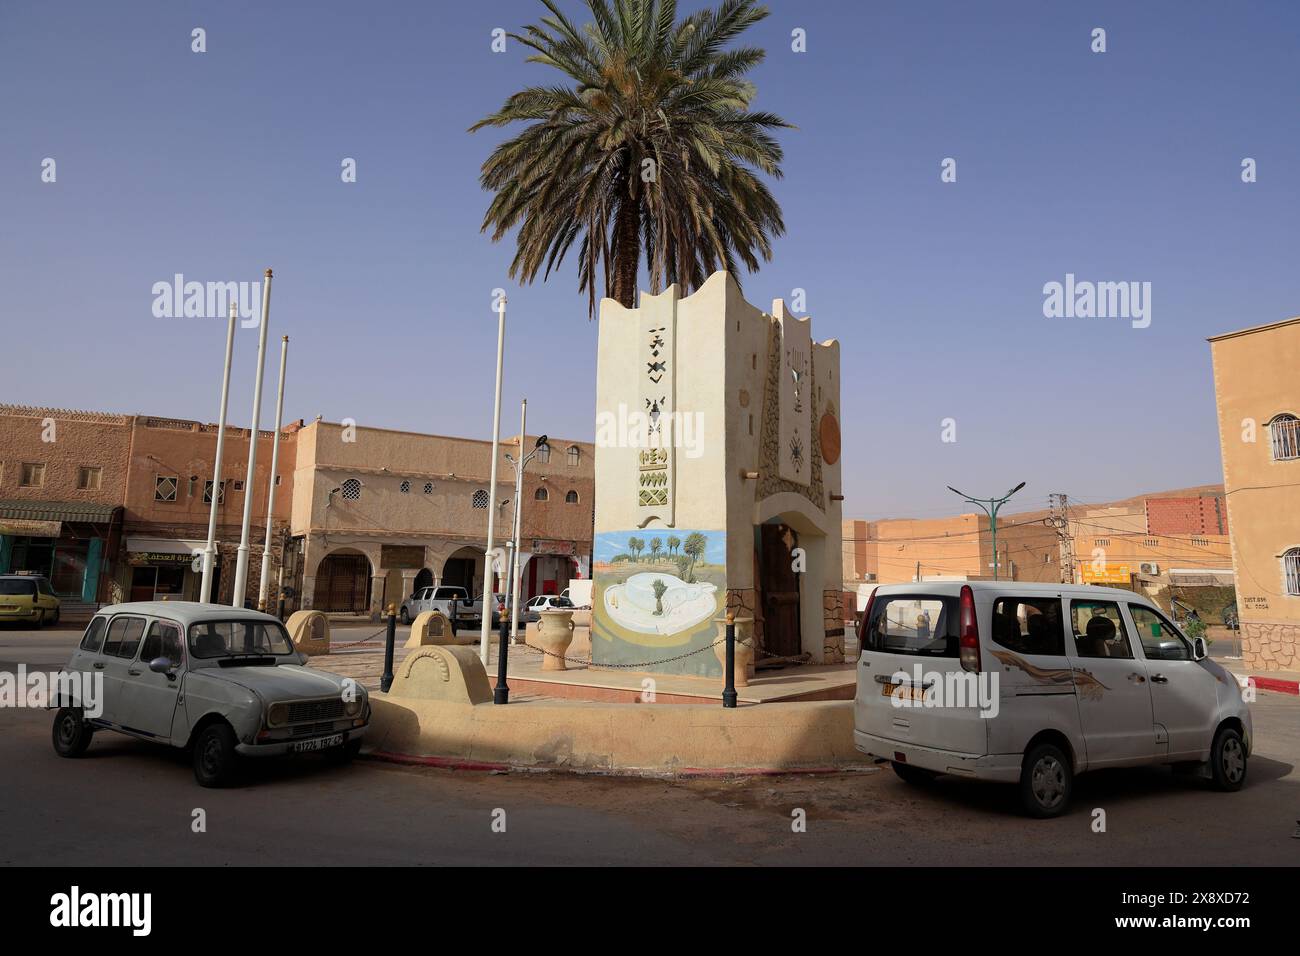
403, 616
214, 756
40, 620
1046, 780
71, 732
1228, 759
56, 616
916, 776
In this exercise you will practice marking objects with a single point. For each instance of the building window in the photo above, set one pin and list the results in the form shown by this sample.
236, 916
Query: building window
544, 453
404, 487
352, 490
428, 487
164, 488
1152, 542
541, 495
207, 493
1291, 568
575, 456
1101, 542
571, 498
32, 475
1201, 542
90, 477
1285, 431
479, 499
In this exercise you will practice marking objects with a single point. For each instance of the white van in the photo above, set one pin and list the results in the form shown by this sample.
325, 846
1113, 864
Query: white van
1034, 683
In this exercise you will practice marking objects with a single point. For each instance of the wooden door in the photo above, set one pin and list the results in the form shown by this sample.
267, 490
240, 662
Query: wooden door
779, 583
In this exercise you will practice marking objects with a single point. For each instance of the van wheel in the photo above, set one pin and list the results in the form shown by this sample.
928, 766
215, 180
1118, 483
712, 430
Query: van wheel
71, 732
1046, 780
1228, 759
917, 776
215, 759
403, 616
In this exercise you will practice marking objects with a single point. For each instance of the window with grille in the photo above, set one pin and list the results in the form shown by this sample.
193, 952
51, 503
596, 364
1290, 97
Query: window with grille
33, 474
1101, 542
1291, 569
405, 487
351, 490
428, 487
164, 487
90, 477
480, 499
207, 493
575, 456
544, 453
1285, 432
571, 498
541, 495
1201, 542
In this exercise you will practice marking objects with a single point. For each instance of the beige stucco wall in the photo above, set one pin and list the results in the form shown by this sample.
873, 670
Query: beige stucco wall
93, 439
1257, 376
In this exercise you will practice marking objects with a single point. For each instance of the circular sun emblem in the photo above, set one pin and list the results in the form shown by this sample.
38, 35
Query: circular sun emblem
796, 453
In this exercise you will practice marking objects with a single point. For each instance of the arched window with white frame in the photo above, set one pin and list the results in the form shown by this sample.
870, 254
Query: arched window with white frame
1291, 571
1284, 430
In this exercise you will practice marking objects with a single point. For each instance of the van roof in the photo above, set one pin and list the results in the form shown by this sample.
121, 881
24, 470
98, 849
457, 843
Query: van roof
1010, 587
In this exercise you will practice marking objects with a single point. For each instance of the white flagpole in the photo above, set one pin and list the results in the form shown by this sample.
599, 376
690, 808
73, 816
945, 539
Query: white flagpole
488, 600
519, 510
270, 493
209, 550
241, 563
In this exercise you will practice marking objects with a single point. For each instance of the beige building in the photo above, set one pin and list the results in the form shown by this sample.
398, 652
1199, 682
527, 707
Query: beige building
1257, 391
379, 513
718, 481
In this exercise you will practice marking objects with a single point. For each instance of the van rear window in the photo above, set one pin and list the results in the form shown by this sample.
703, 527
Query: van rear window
924, 625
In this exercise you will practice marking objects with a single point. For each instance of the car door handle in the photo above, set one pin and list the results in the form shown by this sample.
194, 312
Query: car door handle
133, 672
1159, 679
98, 665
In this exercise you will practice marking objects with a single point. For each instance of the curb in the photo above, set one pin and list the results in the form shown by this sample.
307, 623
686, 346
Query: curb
688, 773
1274, 684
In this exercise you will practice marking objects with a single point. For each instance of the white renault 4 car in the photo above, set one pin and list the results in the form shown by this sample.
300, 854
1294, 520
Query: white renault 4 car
224, 682
1034, 683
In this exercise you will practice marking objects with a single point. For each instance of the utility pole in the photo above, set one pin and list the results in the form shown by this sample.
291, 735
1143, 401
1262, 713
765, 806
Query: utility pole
990, 507
1059, 520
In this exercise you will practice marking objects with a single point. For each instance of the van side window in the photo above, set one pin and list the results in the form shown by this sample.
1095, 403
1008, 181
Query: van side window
1160, 640
1029, 625
1099, 630
94, 636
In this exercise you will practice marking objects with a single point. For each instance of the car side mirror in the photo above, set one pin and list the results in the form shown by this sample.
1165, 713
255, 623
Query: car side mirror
161, 665
1199, 652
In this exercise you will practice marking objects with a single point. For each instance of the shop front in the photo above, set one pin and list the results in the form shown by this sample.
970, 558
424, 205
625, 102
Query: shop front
65, 542
167, 569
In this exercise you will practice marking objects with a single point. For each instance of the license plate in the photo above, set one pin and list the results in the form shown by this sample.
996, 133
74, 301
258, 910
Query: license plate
905, 691
304, 746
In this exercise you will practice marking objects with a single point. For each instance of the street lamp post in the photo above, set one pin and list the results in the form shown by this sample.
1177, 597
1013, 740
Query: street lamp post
519, 467
488, 590
990, 507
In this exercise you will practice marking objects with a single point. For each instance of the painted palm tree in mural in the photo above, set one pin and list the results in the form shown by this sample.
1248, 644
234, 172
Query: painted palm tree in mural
694, 547
656, 548
649, 147
674, 543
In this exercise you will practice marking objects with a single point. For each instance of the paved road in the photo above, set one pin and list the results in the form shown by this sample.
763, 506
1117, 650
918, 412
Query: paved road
129, 803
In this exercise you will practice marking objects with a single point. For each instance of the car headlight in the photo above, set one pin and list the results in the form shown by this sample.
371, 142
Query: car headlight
353, 707
277, 715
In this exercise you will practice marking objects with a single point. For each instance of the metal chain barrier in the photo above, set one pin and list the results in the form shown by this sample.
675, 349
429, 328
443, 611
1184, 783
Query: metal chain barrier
639, 664
364, 640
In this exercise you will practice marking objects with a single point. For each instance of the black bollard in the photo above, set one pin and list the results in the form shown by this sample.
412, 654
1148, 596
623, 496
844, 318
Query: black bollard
729, 689
279, 611
502, 693
455, 614
386, 681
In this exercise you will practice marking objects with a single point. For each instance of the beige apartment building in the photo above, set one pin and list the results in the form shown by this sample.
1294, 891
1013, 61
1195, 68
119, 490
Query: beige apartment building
1257, 391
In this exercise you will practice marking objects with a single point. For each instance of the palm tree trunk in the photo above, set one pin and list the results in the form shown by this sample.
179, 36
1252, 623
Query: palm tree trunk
627, 252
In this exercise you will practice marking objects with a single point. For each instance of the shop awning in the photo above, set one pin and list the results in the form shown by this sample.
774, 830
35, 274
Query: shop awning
44, 518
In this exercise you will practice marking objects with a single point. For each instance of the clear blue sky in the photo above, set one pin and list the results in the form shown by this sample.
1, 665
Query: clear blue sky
1115, 166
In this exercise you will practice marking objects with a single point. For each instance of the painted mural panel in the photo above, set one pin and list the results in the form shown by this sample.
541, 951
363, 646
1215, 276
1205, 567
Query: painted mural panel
655, 491
657, 593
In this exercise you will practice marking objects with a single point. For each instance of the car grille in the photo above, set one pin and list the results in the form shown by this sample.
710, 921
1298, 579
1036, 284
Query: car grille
302, 711
310, 730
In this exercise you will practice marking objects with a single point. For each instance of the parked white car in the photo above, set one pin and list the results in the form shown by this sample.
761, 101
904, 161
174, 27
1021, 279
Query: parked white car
532, 611
222, 681
1034, 683
468, 613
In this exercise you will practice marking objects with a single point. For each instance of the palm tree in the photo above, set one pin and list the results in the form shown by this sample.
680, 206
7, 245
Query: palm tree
656, 547
674, 543
652, 148
695, 546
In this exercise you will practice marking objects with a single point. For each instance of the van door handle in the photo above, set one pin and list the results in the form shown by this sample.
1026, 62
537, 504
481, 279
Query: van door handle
1159, 679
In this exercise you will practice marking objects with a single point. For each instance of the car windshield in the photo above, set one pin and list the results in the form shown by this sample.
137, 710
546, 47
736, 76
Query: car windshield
234, 638
17, 586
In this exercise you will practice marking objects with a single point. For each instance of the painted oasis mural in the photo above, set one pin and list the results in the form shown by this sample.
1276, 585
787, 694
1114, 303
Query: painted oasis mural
657, 593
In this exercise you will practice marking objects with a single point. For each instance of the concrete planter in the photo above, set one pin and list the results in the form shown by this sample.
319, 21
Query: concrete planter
744, 649
554, 635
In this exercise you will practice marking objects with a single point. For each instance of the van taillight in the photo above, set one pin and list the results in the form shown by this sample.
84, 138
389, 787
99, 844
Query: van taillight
968, 633
866, 621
